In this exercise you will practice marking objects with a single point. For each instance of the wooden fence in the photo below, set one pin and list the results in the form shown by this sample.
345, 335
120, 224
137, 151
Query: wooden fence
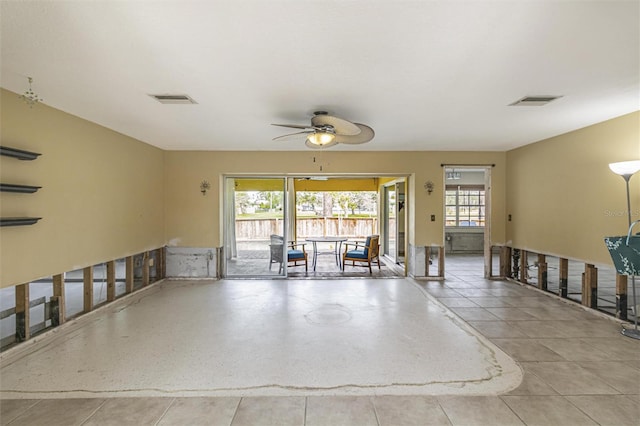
261, 229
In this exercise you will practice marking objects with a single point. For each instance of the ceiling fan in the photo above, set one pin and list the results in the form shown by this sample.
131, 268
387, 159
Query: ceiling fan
326, 130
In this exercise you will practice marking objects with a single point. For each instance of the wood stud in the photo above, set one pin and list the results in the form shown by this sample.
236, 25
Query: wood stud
523, 266
58, 294
563, 290
440, 252
441, 262
542, 272
621, 297
145, 269
590, 286
88, 288
22, 312
129, 274
111, 281
505, 262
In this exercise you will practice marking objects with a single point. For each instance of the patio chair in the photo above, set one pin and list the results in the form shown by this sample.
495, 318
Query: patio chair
296, 253
364, 254
275, 247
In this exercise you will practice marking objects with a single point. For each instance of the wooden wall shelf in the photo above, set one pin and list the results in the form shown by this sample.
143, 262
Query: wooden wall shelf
18, 221
18, 153
25, 189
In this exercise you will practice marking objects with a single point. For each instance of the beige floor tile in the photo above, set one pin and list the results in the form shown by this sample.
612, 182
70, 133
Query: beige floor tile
497, 329
457, 302
59, 412
458, 284
616, 374
568, 378
442, 292
547, 410
529, 301
574, 349
268, 411
564, 313
541, 329
474, 292
478, 410
584, 313
595, 328
532, 385
474, 314
523, 290
527, 350
512, 314
12, 408
634, 363
491, 302
409, 410
505, 292
488, 284
617, 347
340, 410
200, 411
129, 411
609, 410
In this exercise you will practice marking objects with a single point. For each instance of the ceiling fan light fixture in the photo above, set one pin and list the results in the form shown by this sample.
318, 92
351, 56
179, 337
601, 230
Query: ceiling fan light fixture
321, 138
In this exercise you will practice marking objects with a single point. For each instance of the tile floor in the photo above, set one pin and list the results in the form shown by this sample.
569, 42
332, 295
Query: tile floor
578, 370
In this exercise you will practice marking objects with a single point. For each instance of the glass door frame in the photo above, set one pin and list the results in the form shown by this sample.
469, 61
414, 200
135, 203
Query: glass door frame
230, 249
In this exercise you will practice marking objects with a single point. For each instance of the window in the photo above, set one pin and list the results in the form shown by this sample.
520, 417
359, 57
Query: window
464, 206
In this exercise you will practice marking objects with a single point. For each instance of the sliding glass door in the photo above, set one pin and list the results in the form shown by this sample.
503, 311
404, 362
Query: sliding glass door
255, 212
394, 221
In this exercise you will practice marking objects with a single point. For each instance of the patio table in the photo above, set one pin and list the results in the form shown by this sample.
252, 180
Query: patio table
326, 239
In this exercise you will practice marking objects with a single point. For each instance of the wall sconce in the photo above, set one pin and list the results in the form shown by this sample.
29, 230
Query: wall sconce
428, 185
204, 186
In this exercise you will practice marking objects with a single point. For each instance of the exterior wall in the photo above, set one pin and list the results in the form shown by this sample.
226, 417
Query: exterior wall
562, 196
101, 198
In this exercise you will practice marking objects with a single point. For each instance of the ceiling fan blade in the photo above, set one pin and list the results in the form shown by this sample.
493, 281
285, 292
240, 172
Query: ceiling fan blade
295, 135
294, 126
314, 146
365, 135
342, 127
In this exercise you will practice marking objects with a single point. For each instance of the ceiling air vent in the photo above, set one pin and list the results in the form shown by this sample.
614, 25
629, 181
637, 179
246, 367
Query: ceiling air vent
534, 100
173, 99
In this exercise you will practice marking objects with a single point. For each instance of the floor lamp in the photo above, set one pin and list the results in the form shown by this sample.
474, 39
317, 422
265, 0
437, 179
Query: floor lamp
626, 169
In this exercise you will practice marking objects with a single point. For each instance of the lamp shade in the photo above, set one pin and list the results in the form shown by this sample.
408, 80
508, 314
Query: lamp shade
321, 138
625, 168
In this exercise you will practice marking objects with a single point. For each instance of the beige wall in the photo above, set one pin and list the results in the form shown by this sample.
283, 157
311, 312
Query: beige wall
194, 220
562, 196
101, 196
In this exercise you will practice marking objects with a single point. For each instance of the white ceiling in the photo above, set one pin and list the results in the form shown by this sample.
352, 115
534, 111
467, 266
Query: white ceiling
426, 75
